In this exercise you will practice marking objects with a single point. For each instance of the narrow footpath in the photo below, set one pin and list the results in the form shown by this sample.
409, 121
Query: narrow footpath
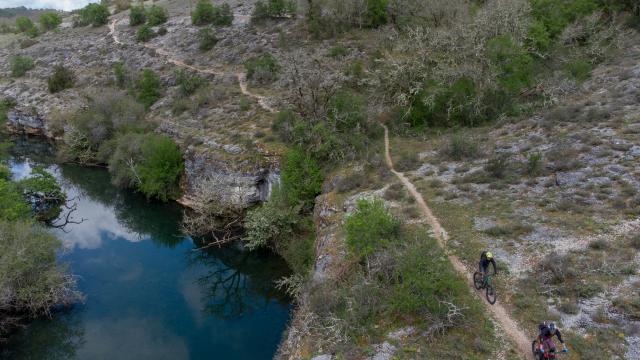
499, 313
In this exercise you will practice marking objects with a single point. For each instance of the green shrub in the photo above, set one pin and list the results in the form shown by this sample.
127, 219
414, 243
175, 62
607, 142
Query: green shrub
24, 24
370, 228
20, 65
105, 116
556, 15
188, 83
498, 166
12, 204
538, 37
157, 15
61, 79
338, 51
222, 15
535, 164
272, 9
42, 191
5, 105
50, 20
376, 14
459, 147
301, 178
514, 64
145, 33
121, 74
137, 15
426, 279
579, 69
30, 278
92, 14
263, 68
274, 222
148, 88
160, 168
207, 39
203, 13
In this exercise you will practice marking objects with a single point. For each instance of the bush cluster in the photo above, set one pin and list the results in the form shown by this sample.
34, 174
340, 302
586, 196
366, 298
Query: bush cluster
188, 83
61, 79
207, 39
153, 16
145, 33
92, 14
26, 26
50, 20
262, 69
148, 88
370, 228
207, 13
273, 9
20, 65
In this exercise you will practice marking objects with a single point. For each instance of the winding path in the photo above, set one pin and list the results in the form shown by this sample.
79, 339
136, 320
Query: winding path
169, 57
498, 311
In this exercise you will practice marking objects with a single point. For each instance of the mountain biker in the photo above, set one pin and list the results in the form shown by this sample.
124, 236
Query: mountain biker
547, 331
486, 258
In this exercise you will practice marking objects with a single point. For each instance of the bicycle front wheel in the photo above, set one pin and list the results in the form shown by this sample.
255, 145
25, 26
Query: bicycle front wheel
477, 280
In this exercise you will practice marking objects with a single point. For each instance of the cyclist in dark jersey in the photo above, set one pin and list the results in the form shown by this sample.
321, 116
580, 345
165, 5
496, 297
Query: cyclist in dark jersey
547, 332
486, 258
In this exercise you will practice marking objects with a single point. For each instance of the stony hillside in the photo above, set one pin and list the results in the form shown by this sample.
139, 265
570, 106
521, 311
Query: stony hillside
497, 138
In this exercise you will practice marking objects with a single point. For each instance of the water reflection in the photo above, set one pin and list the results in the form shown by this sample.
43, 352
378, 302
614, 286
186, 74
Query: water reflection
150, 293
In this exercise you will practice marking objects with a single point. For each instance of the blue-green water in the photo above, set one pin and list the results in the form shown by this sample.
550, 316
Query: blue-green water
149, 293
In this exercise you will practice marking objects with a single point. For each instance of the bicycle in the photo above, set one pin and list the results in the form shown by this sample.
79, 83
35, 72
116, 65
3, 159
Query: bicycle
484, 282
549, 354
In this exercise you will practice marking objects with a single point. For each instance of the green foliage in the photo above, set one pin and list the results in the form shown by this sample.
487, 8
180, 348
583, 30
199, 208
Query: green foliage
24, 24
263, 68
29, 274
272, 9
20, 65
106, 115
145, 33
445, 106
556, 15
207, 39
376, 12
5, 105
274, 222
50, 20
41, 189
301, 178
535, 164
61, 79
459, 147
12, 204
514, 65
427, 278
121, 74
538, 37
370, 228
92, 14
579, 69
137, 15
160, 168
338, 51
188, 83
148, 88
343, 133
204, 13
157, 15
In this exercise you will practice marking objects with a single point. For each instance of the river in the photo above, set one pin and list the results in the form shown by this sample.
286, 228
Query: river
150, 294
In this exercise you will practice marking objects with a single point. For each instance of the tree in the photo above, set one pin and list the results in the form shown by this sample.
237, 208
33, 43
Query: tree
20, 65
24, 24
137, 15
94, 14
50, 20
203, 13
301, 178
157, 15
61, 79
148, 88
160, 168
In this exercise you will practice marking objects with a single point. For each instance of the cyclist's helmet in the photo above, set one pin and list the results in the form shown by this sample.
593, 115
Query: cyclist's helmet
489, 255
552, 327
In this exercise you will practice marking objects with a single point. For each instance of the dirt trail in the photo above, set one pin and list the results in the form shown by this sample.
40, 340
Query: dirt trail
499, 313
240, 76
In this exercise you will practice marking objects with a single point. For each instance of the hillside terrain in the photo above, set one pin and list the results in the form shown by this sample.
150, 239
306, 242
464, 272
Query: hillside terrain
379, 147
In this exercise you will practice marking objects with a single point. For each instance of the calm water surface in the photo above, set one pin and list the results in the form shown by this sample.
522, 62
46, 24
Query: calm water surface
149, 294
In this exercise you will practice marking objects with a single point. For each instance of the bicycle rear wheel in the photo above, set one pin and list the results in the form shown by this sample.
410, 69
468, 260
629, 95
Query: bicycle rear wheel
491, 294
477, 280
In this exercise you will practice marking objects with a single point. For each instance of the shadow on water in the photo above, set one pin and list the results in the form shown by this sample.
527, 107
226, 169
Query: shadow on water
151, 294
